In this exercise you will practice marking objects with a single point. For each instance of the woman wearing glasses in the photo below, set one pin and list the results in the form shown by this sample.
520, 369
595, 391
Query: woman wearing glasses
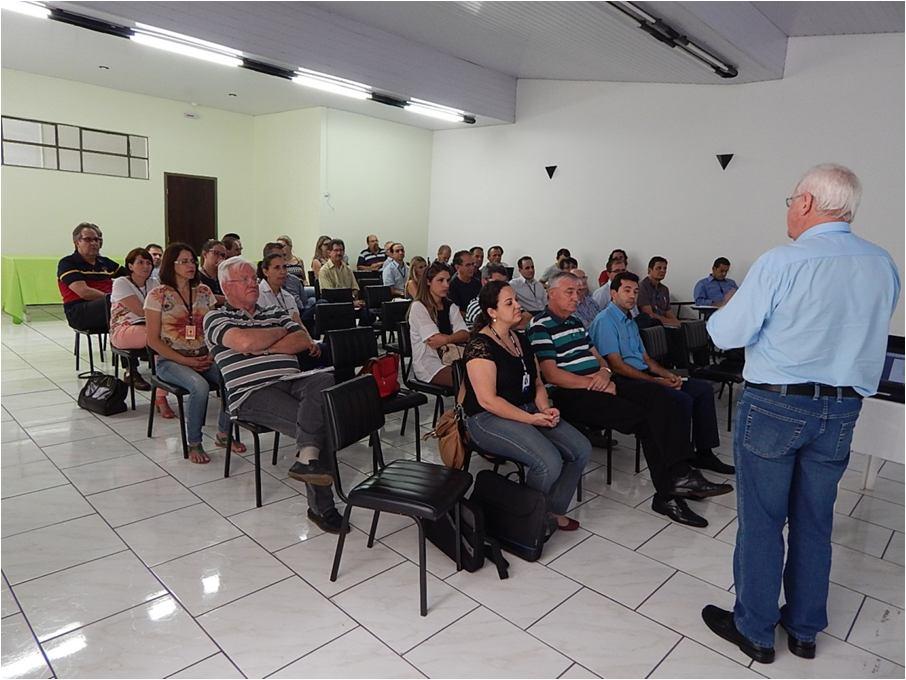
174, 312
271, 292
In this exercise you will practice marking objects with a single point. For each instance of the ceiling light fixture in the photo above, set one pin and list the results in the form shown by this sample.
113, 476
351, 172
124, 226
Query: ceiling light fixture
29, 9
186, 45
332, 84
669, 36
425, 108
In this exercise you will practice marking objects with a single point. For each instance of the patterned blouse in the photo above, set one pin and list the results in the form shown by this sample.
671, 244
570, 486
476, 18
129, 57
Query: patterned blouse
174, 317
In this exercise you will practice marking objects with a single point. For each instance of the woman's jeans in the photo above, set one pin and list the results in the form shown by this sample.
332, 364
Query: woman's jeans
790, 453
199, 386
555, 456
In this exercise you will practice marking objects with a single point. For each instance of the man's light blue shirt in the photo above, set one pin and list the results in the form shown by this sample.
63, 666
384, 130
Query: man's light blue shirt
613, 331
601, 296
815, 310
710, 291
394, 274
587, 310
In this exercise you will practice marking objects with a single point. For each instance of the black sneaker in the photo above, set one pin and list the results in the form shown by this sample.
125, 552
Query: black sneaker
312, 472
330, 521
709, 461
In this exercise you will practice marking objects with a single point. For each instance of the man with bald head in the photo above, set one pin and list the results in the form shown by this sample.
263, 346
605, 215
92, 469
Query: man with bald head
372, 258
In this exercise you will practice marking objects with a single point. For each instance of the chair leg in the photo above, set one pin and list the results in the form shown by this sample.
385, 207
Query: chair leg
406, 415
182, 426
638, 455
257, 469
151, 412
102, 345
116, 366
133, 369
418, 436
458, 516
579, 490
344, 527
374, 523
228, 454
90, 355
438, 408
607, 434
422, 577
76, 350
276, 446
721, 393
729, 406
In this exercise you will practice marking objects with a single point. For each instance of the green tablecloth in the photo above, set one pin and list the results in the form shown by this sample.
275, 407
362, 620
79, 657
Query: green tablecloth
29, 281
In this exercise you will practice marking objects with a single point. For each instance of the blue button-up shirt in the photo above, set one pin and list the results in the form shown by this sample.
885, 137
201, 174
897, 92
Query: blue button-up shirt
587, 310
710, 291
815, 310
394, 274
613, 331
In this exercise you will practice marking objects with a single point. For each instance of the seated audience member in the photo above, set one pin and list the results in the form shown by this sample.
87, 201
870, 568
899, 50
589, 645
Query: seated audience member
156, 252
127, 315
444, 253
232, 244
496, 272
507, 408
716, 289
395, 272
602, 294
271, 292
174, 312
85, 279
555, 267
586, 309
322, 254
255, 348
387, 246
417, 267
616, 336
568, 264
294, 265
478, 256
531, 295
654, 296
616, 255
434, 323
231, 235
495, 256
337, 274
212, 253
292, 285
465, 285
372, 258
587, 393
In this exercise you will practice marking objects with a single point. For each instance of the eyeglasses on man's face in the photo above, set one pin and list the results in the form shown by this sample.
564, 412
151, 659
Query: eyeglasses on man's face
790, 199
90, 239
248, 280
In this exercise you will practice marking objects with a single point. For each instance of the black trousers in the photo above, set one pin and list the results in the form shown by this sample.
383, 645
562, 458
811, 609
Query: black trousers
638, 408
87, 315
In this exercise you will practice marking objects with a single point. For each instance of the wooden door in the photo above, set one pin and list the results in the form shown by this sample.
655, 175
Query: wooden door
190, 204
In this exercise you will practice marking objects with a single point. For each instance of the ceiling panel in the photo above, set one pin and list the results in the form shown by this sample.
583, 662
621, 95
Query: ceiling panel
834, 18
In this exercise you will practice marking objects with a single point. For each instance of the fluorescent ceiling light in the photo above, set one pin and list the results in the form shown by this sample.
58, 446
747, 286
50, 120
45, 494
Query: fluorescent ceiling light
181, 37
332, 84
425, 108
186, 45
30, 9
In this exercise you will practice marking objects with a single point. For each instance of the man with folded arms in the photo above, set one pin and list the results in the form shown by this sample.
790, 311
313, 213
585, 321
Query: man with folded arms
85, 279
587, 394
373, 257
255, 349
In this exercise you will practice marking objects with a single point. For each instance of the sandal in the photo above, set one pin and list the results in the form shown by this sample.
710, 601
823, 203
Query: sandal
220, 441
197, 454
163, 408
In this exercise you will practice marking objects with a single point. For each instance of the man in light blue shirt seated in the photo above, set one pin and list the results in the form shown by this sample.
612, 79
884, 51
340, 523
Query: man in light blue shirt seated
587, 309
602, 295
395, 272
616, 337
716, 289
813, 316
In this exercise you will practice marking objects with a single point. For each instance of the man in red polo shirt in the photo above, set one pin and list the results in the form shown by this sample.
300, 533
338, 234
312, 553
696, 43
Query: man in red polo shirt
86, 279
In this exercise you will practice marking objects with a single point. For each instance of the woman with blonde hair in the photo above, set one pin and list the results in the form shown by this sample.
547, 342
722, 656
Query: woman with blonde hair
320, 257
417, 267
294, 265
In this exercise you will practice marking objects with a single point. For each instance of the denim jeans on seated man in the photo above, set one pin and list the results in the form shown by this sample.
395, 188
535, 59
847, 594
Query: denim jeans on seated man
791, 452
199, 386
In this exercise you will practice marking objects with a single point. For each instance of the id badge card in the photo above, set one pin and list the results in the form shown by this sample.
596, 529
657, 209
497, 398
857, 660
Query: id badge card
190, 332
526, 382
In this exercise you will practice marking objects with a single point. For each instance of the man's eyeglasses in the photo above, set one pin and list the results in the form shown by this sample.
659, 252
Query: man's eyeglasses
789, 200
186, 260
244, 279
90, 239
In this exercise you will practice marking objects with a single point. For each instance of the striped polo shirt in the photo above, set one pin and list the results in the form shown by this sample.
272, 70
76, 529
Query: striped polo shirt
367, 258
74, 268
564, 340
245, 373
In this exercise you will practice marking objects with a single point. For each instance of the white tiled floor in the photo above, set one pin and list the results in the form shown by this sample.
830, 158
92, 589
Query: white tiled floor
120, 559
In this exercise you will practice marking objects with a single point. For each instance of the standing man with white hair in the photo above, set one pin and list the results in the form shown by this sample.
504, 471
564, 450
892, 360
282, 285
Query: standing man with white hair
814, 349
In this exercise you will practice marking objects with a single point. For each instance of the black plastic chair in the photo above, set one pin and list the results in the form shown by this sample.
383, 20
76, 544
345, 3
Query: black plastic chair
368, 278
102, 343
353, 347
439, 391
130, 359
422, 491
337, 294
727, 372
178, 392
376, 296
392, 313
654, 338
331, 316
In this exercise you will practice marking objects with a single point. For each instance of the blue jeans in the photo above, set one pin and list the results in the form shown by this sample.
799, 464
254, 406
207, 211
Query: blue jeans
199, 386
790, 453
554, 456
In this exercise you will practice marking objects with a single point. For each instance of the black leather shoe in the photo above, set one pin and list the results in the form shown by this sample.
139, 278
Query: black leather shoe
804, 650
709, 461
720, 621
330, 521
694, 485
677, 510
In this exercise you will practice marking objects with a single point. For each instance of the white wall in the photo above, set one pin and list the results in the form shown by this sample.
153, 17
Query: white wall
637, 167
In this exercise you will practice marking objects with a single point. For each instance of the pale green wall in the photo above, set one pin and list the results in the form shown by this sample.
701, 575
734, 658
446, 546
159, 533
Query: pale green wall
378, 175
40, 207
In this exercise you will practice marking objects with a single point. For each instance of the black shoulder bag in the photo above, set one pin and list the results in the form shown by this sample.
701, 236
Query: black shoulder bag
104, 394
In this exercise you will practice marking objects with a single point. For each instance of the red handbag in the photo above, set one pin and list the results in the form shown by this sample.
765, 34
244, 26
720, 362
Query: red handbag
386, 370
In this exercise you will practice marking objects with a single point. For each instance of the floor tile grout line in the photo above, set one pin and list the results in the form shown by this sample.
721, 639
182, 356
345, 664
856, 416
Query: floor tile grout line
288, 577
654, 592
46, 488
31, 630
107, 616
477, 606
664, 658
122, 486
160, 514
211, 656
52, 524
73, 566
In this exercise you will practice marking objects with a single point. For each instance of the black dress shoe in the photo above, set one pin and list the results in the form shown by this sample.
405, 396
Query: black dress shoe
804, 650
708, 461
694, 485
677, 510
720, 621
331, 521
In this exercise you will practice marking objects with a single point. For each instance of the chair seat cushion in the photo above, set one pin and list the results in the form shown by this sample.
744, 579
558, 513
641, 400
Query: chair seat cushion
169, 387
429, 388
408, 487
719, 373
402, 400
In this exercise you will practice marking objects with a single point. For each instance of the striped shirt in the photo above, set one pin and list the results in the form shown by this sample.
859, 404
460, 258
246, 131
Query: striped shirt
367, 258
564, 340
245, 373
74, 268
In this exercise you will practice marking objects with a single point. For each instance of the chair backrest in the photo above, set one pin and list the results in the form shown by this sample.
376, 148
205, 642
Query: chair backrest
405, 343
459, 375
509, 273
337, 294
311, 278
695, 333
351, 348
655, 340
331, 316
392, 313
375, 296
366, 276
354, 411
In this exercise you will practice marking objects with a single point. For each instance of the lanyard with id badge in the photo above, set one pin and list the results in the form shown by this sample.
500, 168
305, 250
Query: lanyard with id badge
190, 324
526, 378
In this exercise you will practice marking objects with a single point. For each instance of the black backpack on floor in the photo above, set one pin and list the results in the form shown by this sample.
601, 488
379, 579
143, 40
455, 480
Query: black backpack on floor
476, 545
514, 514
104, 394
